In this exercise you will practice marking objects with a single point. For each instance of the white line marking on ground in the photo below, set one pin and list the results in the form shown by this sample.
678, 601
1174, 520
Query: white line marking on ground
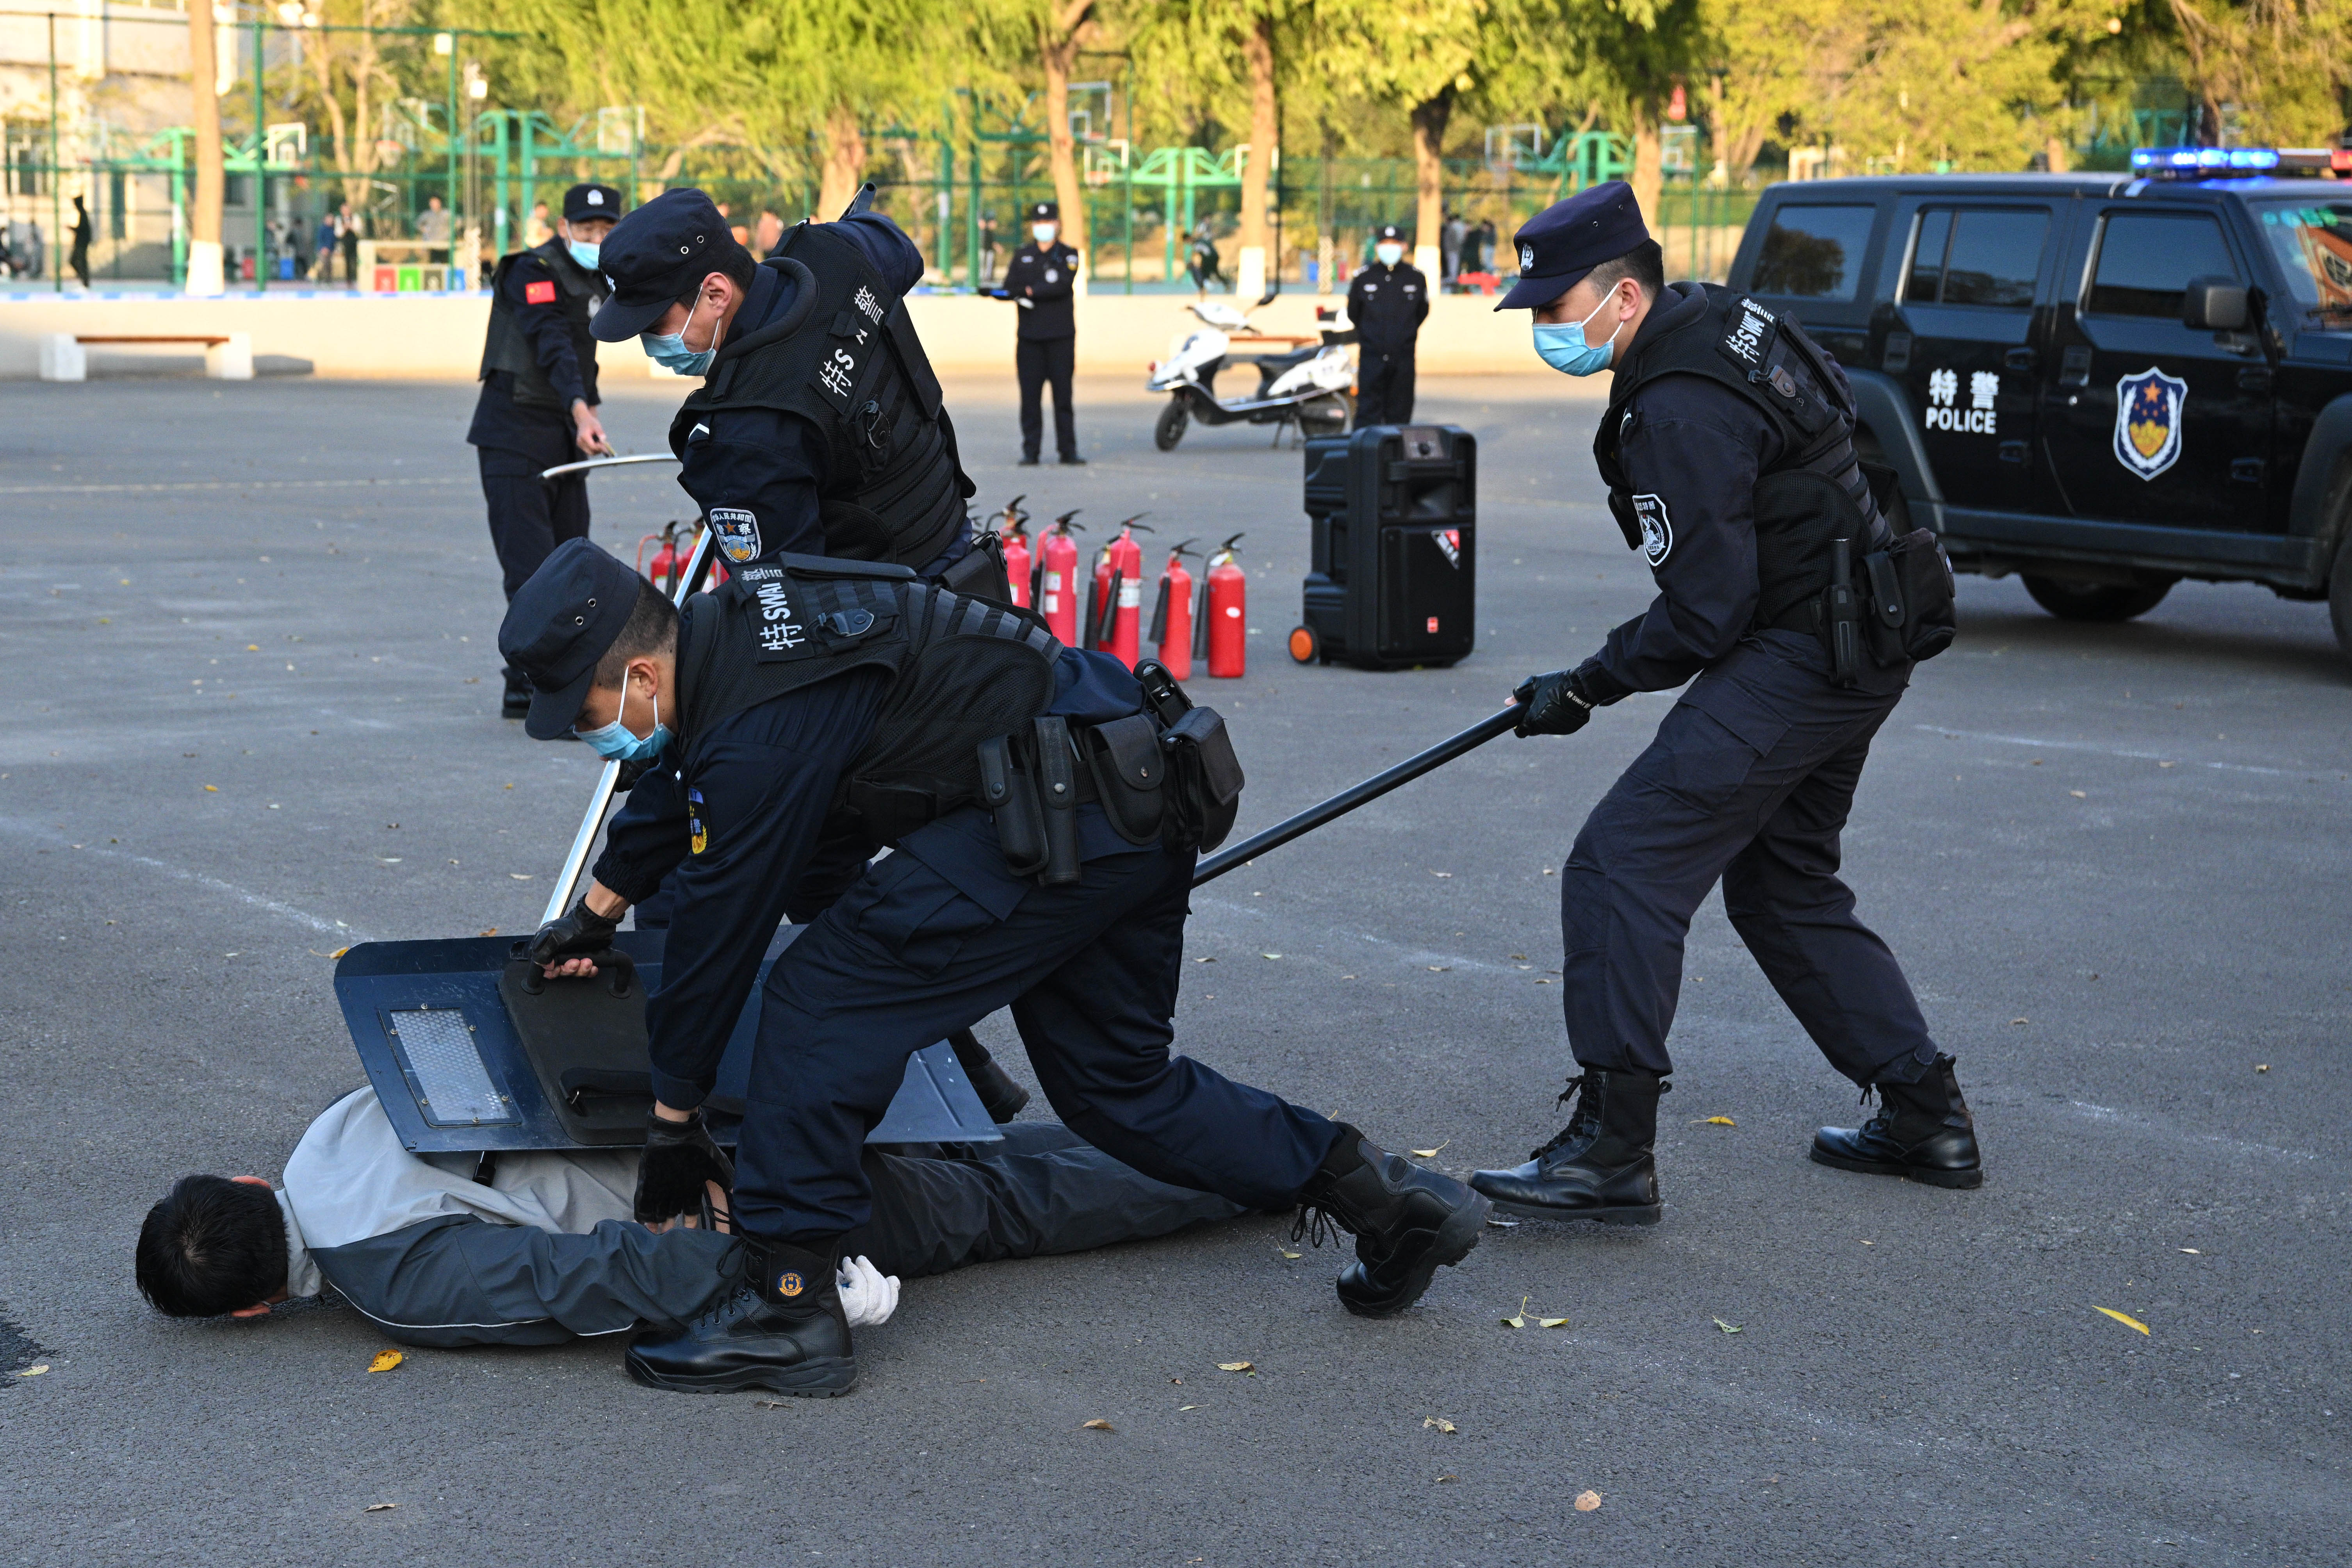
2118, 751
181, 874
225, 485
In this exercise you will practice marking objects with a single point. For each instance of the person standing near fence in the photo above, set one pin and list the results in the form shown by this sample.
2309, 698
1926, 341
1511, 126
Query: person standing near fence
1387, 303
1041, 281
537, 405
348, 226
79, 259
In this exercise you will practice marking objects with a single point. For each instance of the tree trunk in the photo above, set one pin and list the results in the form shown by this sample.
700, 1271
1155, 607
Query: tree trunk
844, 169
1649, 163
2058, 154
1059, 35
1257, 48
204, 210
1429, 117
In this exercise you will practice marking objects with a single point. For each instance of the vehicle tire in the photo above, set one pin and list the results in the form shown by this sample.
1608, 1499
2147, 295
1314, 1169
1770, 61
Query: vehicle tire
2339, 597
1324, 417
1302, 644
2072, 601
1170, 429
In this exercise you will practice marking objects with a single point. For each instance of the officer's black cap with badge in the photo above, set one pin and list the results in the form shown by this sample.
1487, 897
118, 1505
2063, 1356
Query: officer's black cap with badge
657, 256
1386, 231
1568, 239
561, 622
1044, 212
591, 201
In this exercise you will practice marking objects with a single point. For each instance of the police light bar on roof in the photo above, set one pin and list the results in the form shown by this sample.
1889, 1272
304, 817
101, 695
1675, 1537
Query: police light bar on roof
2223, 162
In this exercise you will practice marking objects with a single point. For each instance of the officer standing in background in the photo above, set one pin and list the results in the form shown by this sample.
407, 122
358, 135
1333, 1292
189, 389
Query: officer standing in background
1386, 303
537, 405
1041, 281
1727, 449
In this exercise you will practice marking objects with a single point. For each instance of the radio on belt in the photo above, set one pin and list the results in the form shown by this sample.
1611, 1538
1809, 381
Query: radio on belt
1394, 578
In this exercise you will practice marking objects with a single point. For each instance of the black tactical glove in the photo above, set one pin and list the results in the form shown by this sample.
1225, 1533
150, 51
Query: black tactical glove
1554, 704
576, 935
680, 1157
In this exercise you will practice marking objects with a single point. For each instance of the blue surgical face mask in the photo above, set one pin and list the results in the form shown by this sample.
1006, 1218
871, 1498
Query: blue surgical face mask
615, 742
1390, 255
586, 255
1561, 345
669, 350
1045, 234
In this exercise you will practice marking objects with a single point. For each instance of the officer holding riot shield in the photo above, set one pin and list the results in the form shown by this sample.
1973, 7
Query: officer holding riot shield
1795, 613
537, 405
1045, 806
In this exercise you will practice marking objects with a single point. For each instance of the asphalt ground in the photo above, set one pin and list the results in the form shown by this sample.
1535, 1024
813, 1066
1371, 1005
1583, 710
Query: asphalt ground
250, 716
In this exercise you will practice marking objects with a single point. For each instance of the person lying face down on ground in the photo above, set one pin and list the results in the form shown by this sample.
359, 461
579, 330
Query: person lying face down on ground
541, 1248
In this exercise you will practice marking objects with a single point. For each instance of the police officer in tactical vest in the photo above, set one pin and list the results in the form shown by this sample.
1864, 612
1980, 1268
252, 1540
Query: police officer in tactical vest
1794, 613
1045, 806
1042, 282
1386, 305
819, 428
538, 405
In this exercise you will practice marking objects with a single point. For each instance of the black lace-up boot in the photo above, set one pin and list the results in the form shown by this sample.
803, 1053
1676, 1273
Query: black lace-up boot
1407, 1221
781, 1327
1599, 1166
1923, 1131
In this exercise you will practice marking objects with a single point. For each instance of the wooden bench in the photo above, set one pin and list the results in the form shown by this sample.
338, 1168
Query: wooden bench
228, 356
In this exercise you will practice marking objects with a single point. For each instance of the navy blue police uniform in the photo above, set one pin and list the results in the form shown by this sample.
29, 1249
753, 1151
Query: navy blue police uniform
1727, 446
809, 690
1386, 305
1042, 282
539, 358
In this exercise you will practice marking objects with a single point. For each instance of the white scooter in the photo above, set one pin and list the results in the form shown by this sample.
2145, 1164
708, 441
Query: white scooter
1310, 387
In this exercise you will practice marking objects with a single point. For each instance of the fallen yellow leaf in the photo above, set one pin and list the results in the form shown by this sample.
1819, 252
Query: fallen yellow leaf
379, 1507
1715, 1121
1587, 1501
1519, 1319
1551, 1322
1288, 1253
1269, 956
35, 1370
1449, 1478
211, 789
2078, 795
1726, 1328
2192, 1252
385, 1361
1237, 1366
339, 953
1440, 1422
2127, 1322
1439, 968
1096, 1426
492, 931
1430, 1153
1181, 1408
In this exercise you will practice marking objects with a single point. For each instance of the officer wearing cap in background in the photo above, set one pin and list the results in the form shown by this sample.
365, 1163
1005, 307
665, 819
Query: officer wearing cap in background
804, 690
1386, 304
1727, 449
538, 405
819, 428
1041, 280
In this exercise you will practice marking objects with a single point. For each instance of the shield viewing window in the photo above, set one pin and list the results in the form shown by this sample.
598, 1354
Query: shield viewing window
445, 1069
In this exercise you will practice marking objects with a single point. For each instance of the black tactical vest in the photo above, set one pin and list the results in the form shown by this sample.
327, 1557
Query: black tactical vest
1815, 494
962, 671
850, 364
578, 292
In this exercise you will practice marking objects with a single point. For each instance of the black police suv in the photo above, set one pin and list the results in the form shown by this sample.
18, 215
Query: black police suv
2102, 383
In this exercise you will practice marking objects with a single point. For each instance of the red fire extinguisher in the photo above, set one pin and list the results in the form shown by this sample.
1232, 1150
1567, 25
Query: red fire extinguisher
1016, 551
1118, 578
1056, 583
1172, 615
665, 562
1226, 597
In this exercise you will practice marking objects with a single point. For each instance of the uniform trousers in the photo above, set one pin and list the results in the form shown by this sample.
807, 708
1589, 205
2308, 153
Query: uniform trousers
531, 516
1384, 389
1090, 971
1038, 361
1748, 781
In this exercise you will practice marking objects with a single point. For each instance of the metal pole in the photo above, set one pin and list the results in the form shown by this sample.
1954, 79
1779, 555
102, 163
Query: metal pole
449, 166
260, 170
499, 123
57, 270
1348, 800
1127, 168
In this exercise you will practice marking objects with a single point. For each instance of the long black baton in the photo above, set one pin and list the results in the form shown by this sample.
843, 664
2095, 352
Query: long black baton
1346, 800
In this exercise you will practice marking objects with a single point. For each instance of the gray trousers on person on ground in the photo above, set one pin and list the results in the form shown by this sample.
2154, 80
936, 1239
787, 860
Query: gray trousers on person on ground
1749, 783
461, 1280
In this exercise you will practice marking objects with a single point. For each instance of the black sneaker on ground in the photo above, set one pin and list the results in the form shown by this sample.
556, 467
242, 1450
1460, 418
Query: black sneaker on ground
998, 1095
1600, 1166
782, 1326
1073, 461
1923, 1131
1028, 460
1407, 1221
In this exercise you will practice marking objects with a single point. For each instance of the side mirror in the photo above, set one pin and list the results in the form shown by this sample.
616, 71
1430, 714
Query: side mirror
2215, 305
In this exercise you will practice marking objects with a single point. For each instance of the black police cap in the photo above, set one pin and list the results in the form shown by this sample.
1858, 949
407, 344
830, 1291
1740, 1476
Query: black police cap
561, 622
658, 255
1044, 212
1568, 239
590, 201
1387, 231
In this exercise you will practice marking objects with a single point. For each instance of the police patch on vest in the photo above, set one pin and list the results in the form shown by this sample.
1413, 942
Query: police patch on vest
738, 531
777, 620
1658, 530
837, 373
1750, 336
698, 830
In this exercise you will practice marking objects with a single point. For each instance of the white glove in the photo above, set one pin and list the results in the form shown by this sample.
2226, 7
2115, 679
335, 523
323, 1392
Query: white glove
868, 1295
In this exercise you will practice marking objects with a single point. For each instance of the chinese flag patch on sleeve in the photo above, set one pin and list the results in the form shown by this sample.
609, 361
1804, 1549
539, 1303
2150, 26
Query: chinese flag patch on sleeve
539, 293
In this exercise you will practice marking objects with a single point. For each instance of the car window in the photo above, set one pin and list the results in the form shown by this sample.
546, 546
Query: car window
1814, 252
2313, 242
2145, 260
1976, 256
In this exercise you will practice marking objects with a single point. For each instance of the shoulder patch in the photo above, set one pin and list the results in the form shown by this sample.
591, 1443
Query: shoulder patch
738, 531
1657, 529
1750, 336
539, 293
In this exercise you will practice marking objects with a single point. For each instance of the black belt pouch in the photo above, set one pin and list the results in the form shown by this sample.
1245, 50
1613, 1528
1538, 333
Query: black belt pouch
1204, 781
1128, 765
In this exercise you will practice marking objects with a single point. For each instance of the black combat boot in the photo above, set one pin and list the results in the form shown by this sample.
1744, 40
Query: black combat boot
781, 1327
1922, 1131
1406, 1220
516, 704
998, 1095
1600, 1165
